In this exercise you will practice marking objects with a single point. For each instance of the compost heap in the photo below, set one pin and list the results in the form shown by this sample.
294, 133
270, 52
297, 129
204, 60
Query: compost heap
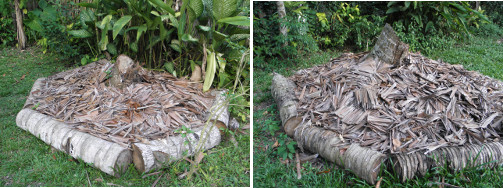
418, 105
155, 105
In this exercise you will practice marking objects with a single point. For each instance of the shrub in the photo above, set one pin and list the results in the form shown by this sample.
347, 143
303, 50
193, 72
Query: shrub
345, 27
268, 43
7, 27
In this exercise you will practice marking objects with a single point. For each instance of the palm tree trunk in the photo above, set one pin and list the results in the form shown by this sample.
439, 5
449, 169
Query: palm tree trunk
282, 13
21, 37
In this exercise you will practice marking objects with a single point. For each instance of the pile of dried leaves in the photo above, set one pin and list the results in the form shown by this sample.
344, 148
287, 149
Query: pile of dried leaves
420, 105
150, 108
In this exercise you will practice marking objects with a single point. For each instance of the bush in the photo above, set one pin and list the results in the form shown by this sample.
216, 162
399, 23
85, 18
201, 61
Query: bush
489, 30
49, 25
268, 43
345, 27
420, 41
7, 26
494, 11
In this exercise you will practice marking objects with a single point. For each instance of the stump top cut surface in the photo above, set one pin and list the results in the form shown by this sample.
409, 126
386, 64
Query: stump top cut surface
420, 105
152, 106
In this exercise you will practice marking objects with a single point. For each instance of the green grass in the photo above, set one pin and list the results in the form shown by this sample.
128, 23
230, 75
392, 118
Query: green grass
27, 161
481, 54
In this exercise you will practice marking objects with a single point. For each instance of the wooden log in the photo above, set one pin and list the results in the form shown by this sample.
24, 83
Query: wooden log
219, 111
456, 157
39, 83
156, 153
389, 48
107, 156
282, 91
363, 162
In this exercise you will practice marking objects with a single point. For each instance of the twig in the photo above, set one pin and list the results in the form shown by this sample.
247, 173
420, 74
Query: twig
88, 181
157, 180
151, 174
298, 165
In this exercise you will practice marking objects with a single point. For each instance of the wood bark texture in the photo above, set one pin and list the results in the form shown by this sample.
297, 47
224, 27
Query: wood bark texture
408, 165
219, 111
281, 14
364, 162
124, 72
21, 37
107, 156
282, 91
156, 153
389, 48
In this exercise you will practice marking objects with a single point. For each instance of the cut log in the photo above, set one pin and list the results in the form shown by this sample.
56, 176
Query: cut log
456, 157
219, 111
363, 162
107, 156
156, 153
389, 48
282, 91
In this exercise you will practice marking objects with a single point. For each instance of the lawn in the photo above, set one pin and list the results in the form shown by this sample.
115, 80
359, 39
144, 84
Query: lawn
481, 54
27, 161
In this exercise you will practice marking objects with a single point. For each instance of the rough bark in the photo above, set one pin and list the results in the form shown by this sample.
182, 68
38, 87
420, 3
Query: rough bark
389, 48
456, 157
109, 157
124, 72
156, 153
282, 91
281, 14
219, 111
363, 162
21, 37
36, 86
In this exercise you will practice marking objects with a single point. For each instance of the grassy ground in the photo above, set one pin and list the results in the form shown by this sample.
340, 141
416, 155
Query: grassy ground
480, 54
27, 161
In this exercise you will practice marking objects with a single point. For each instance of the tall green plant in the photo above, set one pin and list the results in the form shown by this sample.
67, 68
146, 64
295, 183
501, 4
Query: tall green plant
176, 40
445, 16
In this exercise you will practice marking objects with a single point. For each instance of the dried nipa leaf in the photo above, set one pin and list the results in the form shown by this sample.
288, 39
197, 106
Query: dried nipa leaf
149, 105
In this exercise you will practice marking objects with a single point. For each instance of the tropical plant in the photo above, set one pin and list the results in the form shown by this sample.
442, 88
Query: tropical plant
48, 25
346, 27
211, 34
7, 29
445, 16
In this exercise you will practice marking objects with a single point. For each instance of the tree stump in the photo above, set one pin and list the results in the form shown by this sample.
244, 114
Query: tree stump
124, 72
389, 48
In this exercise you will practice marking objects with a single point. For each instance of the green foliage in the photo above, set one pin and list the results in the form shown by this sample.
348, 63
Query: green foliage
7, 32
419, 41
286, 147
7, 27
239, 106
152, 32
49, 25
346, 27
494, 11
456, 17
268, 43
